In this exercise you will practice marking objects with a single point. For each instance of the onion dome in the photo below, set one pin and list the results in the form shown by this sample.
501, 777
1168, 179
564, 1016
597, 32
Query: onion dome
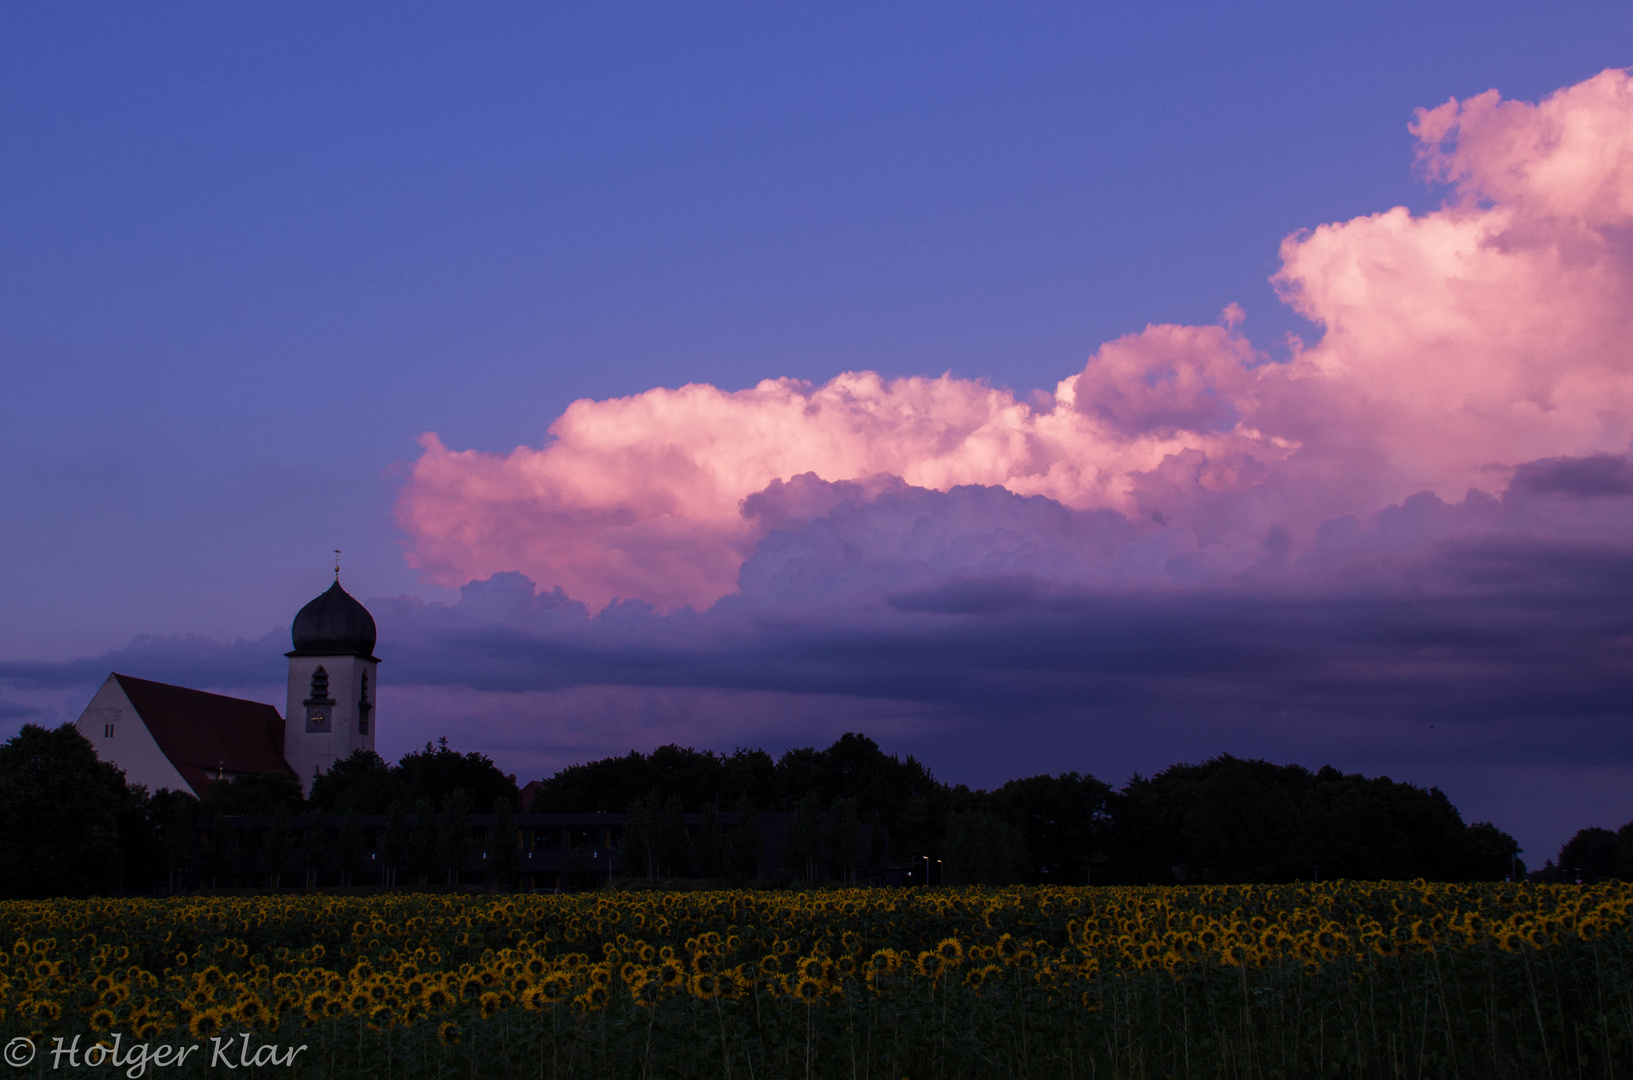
334, 624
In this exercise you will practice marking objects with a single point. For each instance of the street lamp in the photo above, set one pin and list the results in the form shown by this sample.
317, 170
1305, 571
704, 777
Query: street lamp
926, 859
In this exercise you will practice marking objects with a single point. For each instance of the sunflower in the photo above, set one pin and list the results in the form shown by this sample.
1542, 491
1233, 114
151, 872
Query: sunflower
488, 1004
671, 975
48, 1010
593, 999
554, 988
250, 1010
808, 991
448, 1033
436, 998
317, 1006
950, 951
204, 1023
102, 1020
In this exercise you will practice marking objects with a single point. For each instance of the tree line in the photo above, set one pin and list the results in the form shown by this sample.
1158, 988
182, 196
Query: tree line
71, 825
1226, 819
1592, 855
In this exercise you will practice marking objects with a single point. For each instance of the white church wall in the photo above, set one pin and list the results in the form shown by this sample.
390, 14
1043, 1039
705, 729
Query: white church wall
111, 724
310, 745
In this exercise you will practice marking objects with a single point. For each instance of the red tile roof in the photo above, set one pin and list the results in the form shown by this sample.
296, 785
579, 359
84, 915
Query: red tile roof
531, 792
208, 735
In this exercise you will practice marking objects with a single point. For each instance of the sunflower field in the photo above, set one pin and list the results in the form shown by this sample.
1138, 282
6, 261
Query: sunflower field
1340, 979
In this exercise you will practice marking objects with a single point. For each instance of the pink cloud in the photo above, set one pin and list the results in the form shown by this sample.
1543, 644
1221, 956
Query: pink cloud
1457, 344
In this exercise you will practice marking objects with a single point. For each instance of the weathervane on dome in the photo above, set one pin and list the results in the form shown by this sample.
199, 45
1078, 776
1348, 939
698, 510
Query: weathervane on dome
337, 566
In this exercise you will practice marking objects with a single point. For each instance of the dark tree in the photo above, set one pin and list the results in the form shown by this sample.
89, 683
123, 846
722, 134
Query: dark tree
422, 852
1489, 854
59, 815
317, 848
173, 815
709, 849
802, 836
350, 849
278, 852
258, 793
641, 836
842, 839
673, 843
395, 845
1065, 822
982, 849
217, 858
695, 776
436, 772
454, 833
501, 848
362, 782
1589, 855
743, 841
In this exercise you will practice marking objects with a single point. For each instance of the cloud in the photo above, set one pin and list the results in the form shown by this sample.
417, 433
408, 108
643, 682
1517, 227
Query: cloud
191, 660
1456, 345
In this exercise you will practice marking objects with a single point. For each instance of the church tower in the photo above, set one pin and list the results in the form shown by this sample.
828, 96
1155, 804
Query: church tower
332, 683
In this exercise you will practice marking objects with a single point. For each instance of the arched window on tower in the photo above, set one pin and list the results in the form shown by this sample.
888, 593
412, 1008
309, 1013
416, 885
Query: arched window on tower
364, 708
320, 706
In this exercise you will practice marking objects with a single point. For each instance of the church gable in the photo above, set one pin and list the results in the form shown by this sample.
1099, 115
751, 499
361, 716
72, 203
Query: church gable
111, 725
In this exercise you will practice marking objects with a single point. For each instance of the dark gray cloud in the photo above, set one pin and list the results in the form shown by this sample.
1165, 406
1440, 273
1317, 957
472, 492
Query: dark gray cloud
191, 661
1491, 634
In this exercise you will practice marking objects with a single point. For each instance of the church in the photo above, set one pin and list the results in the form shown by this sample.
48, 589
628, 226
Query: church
166, 736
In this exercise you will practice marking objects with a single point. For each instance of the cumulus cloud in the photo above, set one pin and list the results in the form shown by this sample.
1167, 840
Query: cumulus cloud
1455, 346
